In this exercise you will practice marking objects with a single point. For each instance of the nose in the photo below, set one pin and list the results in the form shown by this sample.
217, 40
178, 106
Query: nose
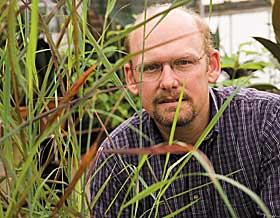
168, 79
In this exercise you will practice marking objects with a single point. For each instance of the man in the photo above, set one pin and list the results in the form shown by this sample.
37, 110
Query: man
245, 142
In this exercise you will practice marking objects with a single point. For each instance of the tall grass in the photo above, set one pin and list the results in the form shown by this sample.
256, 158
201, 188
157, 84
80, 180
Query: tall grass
41, 116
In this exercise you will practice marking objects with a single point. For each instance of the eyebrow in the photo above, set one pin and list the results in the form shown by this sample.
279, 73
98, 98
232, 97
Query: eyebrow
186, 55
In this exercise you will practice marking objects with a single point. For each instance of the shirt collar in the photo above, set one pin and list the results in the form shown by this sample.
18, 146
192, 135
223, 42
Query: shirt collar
213, 111
154, 131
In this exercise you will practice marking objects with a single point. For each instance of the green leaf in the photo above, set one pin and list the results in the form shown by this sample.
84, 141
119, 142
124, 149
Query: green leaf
110, 7
253, 65
210, 7
109, 67
100, 191
227, 61
271, 46
249, 192
126, 31
173, 128
265, 87
109, 49
181, 209
148, 191
203, 136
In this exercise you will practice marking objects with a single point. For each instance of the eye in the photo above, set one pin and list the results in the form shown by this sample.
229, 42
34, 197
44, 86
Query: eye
183, 62
150, 68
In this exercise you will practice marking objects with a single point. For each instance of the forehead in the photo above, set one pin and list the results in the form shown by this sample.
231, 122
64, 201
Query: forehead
174, 35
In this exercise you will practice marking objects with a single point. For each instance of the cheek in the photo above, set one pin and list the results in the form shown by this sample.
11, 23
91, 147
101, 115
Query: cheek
199, 80
148, 93
197, 87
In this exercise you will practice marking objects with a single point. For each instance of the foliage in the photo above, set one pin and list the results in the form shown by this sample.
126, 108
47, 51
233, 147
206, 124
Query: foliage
51, 89
242, 65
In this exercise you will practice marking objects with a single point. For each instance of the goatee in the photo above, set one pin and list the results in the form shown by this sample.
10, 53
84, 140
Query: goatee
184, 118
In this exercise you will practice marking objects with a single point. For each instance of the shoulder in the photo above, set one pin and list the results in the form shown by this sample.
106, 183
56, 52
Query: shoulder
249, 97
252, 116
247, 94
250, 107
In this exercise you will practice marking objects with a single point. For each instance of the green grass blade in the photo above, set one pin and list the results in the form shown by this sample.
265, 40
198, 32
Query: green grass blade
31, 51
210, 7
171, 138
249, 192
203, 135
115, 197
181, 209
76, 38
100, 191
12, 50
109, 7
148, 191
132, 183
108, 67
173, 128
125, 32
209, 169
217, 116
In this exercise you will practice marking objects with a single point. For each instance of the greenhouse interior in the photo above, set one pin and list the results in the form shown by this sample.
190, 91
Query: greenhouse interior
140, 108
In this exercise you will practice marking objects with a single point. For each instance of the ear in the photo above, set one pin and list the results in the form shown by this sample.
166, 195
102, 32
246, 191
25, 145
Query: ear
214, 66
130, 80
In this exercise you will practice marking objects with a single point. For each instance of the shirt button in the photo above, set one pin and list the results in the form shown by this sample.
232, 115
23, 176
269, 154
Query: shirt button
193, 159
195, 197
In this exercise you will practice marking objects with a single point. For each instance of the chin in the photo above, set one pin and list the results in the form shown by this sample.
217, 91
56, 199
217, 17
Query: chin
167, 121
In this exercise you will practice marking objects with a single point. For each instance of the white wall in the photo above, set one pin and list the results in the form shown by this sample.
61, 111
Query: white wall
240, 28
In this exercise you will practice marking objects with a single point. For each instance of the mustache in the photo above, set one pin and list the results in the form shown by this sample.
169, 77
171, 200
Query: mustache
170, 97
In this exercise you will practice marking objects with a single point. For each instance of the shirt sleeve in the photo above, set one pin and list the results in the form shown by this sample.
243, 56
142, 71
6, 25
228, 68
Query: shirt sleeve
270, 167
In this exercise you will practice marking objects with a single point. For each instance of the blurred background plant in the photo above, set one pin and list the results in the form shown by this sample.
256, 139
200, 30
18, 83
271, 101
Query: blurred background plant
58, 85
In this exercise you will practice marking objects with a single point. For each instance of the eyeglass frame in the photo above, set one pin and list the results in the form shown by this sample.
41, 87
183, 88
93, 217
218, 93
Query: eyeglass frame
170, 63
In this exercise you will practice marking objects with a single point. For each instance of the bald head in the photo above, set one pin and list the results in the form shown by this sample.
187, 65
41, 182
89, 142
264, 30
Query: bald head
175, 20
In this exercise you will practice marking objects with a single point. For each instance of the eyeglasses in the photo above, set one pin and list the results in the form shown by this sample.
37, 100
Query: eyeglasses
182, 66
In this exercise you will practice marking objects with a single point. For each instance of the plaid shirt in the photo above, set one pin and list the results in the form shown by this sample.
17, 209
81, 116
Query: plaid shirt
246, 139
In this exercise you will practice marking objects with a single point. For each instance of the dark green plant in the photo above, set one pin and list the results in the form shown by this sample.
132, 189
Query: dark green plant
237, 70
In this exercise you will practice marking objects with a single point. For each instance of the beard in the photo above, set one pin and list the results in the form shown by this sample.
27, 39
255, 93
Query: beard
165, 117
